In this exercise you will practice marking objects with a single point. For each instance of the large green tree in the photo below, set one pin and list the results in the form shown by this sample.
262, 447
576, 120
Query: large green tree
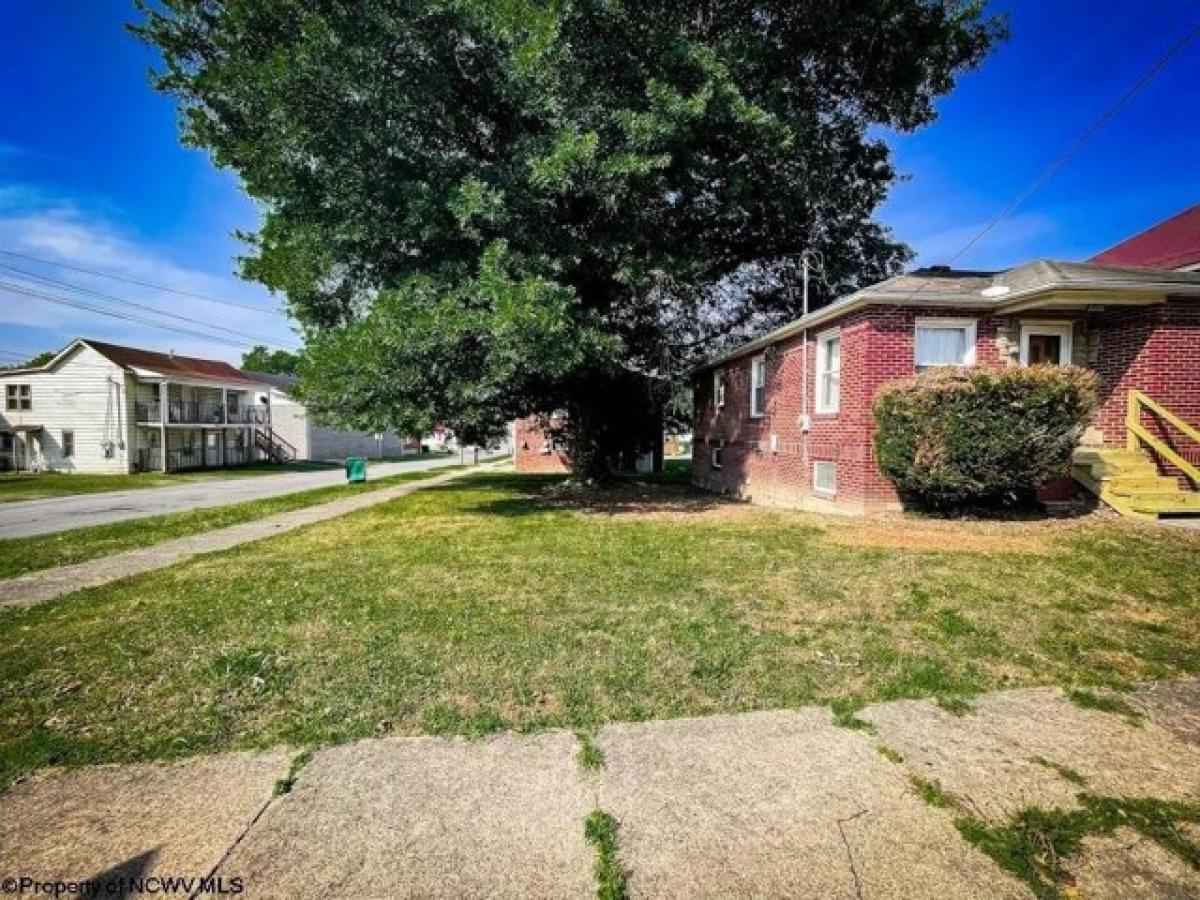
481, 208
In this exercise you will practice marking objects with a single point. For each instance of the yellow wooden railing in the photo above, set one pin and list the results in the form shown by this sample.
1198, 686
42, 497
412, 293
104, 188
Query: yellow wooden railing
1136, 432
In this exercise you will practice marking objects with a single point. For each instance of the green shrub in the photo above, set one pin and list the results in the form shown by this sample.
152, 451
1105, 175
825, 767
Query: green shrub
953, 438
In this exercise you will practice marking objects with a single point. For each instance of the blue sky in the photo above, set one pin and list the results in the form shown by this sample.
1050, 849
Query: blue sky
92, 172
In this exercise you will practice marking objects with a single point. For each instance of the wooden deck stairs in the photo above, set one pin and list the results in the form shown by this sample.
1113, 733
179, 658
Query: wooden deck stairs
1130, 480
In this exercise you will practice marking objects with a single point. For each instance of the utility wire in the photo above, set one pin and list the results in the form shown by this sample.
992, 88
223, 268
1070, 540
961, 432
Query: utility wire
102, 296
63, 301
1072, 150
145, 284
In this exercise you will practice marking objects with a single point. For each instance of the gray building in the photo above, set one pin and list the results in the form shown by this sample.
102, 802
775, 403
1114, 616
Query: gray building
292, 422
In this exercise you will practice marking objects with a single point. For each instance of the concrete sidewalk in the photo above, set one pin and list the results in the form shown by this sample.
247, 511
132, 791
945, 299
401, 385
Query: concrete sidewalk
770, 804
27, 518
46, 584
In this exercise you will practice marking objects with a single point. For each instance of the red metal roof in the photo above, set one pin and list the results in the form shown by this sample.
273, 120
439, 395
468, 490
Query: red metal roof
1173, 244
170, 363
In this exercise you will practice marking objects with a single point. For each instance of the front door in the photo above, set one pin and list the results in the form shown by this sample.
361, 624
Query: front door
212, 448
1045, 343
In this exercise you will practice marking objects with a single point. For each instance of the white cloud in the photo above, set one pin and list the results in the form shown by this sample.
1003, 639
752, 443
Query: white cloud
54, 229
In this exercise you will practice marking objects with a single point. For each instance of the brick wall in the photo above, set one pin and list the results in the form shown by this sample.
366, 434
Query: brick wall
1156, 350
530, 440
876, 347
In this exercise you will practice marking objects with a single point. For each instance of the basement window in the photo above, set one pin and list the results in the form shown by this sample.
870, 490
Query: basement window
825, 477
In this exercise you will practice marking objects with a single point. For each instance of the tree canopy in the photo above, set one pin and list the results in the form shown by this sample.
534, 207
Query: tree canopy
278, 362
483, 208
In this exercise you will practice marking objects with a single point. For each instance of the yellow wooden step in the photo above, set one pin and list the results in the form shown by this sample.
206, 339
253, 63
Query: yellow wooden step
1130, 485
1114, 455
1160, 502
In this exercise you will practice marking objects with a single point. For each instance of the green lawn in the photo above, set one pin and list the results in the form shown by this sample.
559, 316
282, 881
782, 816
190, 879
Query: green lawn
21, 555
484, 605
38, 486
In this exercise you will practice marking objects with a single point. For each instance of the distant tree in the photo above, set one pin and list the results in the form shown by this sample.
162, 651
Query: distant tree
279, 362
39, 360
483, 208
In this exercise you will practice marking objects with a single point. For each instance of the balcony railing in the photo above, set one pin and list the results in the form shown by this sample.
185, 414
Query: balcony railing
208, 457
147, 412
248, 414
203, 412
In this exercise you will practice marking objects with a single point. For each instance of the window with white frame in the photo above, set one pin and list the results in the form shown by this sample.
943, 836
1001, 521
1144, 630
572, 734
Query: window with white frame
68, 444
1046, 343
825, 477
758, 385
718, 388
715, 461
829, 371
18, 397
944, 342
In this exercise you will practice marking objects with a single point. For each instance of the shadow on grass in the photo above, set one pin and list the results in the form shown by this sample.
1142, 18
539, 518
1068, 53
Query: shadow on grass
629, 495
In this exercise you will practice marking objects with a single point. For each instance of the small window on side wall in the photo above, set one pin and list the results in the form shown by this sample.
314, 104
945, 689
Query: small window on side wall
825, 477
829, 371
18, 398
715, 461
68, 444
718, 388
758, 385
944, 342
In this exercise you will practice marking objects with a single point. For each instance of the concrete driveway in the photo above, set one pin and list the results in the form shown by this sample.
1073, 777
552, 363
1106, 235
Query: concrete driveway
33, 517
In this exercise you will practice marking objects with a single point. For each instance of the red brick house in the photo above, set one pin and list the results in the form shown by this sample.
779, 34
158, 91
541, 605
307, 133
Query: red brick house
786, 419
537, 448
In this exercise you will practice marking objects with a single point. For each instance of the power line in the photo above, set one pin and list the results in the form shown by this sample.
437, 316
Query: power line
1072, 149
145, 284
102, 296
63, 301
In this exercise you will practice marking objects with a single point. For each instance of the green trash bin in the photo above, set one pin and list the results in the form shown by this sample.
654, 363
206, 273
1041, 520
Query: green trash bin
356, 469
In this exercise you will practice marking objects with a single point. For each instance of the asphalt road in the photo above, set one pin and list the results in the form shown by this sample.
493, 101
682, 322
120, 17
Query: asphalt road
27, 518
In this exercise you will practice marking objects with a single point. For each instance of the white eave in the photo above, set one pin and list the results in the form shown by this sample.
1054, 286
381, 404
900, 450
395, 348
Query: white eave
1058, 292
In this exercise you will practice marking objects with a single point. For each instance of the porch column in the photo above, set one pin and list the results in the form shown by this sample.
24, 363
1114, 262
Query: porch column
164, 399
225, 405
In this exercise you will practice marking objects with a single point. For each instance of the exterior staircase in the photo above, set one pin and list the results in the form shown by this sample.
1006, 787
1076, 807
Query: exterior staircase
1129, 479
273, 446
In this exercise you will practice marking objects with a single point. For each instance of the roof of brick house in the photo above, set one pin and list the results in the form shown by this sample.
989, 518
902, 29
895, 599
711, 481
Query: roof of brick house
1011, 290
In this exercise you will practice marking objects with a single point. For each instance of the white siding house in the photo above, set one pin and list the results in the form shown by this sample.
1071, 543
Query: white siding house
294, 424
103, 408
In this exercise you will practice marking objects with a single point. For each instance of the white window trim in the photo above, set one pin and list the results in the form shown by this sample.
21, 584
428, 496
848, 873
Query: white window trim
822, 404
17, 393
718, 388
1061, 329
755, 362
824, 492
714, 459
972, 329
